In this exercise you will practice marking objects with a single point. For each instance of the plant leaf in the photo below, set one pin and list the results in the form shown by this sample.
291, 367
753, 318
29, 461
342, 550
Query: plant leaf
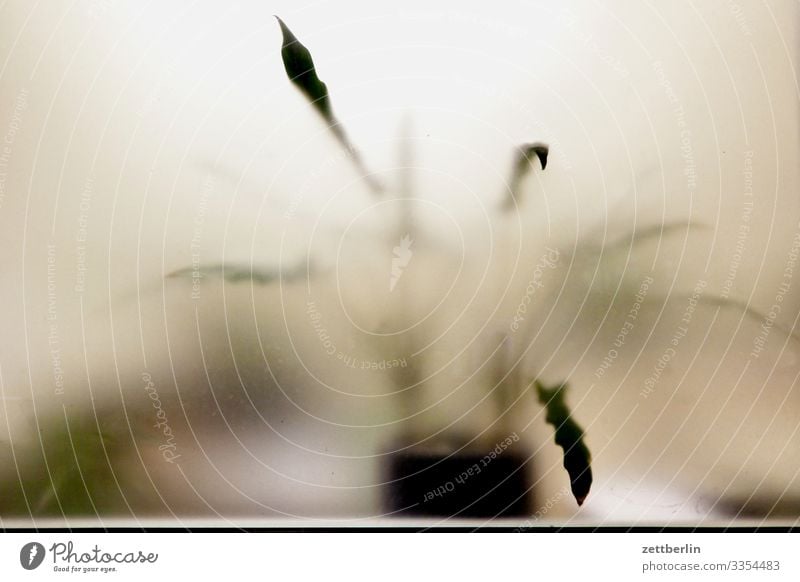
522, 165
238, 273
300, 69
754, 314
657, 232
569, 436
539, 149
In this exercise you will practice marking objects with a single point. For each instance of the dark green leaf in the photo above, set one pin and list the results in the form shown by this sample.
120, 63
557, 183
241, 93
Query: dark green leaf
569, 436
302, 73
538, 149
522, 165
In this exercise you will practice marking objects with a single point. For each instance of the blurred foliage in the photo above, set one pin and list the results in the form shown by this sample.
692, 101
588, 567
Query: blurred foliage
234, 273
67, 473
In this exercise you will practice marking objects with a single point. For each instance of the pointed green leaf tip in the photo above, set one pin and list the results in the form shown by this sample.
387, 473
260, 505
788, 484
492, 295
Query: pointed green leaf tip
521, 167
569, 436
301, 71
540, 150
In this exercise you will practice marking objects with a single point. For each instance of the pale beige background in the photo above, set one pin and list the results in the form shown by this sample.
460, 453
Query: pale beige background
152, 125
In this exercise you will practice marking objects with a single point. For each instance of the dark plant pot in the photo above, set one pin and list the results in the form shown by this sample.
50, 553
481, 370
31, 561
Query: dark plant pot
469, 485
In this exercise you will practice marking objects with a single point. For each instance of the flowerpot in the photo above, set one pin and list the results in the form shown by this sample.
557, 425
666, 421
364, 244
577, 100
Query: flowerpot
473, 484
